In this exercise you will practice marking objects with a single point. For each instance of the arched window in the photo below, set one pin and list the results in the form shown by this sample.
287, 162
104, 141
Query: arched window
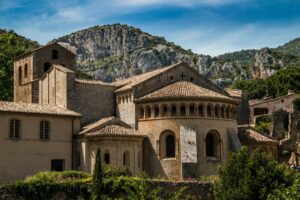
47, 66
156, 111
20, 75
217, 111
126, 158
192, 110
200, 111
167, 144
165, 111
77, 159
106, 158
208, 110
148, 112
173, 111
142, 113
54, 54
182, 110
26, 71
212, 142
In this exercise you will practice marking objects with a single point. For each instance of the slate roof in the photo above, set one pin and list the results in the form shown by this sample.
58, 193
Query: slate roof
109, 126
19, 107
250, 135
184, 89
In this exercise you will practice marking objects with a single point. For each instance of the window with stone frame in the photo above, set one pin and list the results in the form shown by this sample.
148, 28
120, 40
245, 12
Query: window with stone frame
170, 146
167, 144
106, 158
14, 129
182, 110
212, 144
26, 71
44, 130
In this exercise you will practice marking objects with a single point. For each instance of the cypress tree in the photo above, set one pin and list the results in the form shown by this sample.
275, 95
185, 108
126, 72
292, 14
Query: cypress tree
97, 177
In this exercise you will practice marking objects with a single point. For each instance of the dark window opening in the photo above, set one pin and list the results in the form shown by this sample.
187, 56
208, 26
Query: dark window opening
191, 79
44, 130
148, 113
182, 110
54, 54
126, 159
156, 112
192, 110
208, 111
142, 113
260, 111
200, 111
77, 158
173, 111
47, 66
165, 111
106, 158
14, 129
171, 77
170, 146
20, 75
26, 70
211, 143
217, 111
57, 165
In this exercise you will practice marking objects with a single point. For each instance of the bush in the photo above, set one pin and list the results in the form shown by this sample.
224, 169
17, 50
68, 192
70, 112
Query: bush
56, 177
251, 176
113, 171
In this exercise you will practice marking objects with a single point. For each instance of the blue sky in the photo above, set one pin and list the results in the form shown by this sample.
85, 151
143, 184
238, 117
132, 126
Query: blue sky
206, 26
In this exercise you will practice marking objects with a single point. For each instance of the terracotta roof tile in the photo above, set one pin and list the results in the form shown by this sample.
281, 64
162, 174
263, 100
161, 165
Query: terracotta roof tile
19, 107
183, 89
115, 130
250, 135
93, 82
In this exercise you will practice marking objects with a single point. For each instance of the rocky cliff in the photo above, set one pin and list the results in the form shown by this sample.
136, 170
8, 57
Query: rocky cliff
117, 51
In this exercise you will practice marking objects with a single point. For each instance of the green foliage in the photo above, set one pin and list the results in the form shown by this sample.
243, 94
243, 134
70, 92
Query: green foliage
263, 123
110, 171
97, 177
141, 190
243, 56
11, 46
292, 192
57, 177
251, 176
276, 85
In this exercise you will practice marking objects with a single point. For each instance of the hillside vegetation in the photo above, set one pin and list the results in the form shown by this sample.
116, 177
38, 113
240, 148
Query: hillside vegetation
11, 46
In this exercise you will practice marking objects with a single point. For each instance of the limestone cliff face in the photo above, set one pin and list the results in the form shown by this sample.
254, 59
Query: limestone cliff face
117, 51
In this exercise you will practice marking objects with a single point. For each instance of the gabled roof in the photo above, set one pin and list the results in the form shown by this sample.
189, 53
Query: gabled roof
128, 83
64, 45
250, 135
184, 89
109, 126
58, 67
32, 108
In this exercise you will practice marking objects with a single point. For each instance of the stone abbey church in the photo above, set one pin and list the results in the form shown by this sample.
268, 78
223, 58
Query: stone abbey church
171, 122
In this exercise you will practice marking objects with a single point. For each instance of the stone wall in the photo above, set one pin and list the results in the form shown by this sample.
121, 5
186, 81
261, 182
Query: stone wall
126, 108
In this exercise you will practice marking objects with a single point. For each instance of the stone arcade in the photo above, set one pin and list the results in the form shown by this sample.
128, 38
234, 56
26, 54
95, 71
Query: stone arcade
170, 122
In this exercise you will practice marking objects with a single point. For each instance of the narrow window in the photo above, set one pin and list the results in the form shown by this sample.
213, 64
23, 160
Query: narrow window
58, 165
212, 144
106, 158
14, 129
44, 130
208, 111
173, 111
192, 110
54, 54
148, 112
217, 111
170, 146
200, 110
142, 113
165, 111
26, 70
139, 159
156, 111
20, 75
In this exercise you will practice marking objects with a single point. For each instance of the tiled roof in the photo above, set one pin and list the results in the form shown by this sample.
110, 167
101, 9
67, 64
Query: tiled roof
19, 107
62, 68
115, 130
99, 124
249, 135
93, 82
234, 92
128, 83
183, 89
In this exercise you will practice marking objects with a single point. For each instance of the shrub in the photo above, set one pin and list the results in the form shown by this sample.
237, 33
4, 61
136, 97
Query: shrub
97, 177
113, 171
55, 177
251, 176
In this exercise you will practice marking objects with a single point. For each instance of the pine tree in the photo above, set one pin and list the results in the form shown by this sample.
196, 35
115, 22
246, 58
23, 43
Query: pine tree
97, 177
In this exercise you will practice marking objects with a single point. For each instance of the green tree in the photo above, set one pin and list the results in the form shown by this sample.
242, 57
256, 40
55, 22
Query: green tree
251, 176
97, 177
11, 46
